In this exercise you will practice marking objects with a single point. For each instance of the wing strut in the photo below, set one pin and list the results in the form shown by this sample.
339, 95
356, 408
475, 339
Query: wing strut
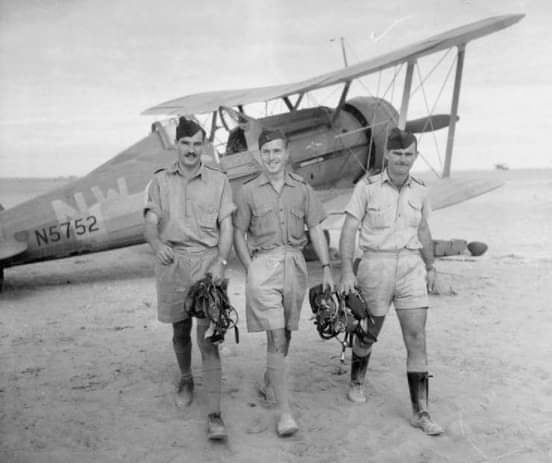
406, 94
341, 101
288, 103
213, 126
454, 107
298, 101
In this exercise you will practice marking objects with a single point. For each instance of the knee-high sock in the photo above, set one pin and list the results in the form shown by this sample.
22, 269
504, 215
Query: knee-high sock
182, 345
212, 375
418, 386
277, 372
359, 365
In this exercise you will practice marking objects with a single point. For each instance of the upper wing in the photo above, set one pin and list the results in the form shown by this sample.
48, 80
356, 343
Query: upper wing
443, 192
210, 101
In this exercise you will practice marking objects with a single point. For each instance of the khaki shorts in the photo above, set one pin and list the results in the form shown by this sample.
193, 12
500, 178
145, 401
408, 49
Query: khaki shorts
175, 279
275, 289
392, 277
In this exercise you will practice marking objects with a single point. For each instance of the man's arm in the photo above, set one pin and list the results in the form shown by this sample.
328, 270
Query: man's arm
347, 249
240, 245
320, 246
424, 235
162, 251
224, 245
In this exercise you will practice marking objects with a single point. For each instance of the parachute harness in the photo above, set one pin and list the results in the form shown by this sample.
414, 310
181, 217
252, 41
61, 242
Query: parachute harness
336, 313
209, 300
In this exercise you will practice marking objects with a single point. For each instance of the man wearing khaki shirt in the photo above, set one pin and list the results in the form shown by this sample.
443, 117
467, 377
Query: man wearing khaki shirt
273, 210
189, 227
391, 210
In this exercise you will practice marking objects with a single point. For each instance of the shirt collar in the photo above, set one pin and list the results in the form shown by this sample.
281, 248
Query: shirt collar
288, 179
175, 169
385, 178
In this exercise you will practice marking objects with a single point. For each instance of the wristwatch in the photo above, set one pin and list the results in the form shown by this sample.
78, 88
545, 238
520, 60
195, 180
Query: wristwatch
222, 261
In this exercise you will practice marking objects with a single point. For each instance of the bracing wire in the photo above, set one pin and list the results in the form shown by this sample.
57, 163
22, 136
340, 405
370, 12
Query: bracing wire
431, 111
428, 75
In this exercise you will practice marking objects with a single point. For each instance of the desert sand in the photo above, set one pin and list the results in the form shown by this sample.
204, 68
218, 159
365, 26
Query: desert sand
88, 373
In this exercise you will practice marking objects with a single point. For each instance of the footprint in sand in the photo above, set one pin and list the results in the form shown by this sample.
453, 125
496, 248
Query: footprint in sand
259, 424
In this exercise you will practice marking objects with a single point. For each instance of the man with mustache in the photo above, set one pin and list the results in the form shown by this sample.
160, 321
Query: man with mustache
188, 217
391, 209
273, 211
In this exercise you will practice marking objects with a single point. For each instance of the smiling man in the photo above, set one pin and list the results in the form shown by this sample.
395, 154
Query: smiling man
273, 211
189, 227
391, 209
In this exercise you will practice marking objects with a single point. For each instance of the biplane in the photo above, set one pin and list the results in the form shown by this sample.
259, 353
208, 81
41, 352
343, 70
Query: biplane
331, 147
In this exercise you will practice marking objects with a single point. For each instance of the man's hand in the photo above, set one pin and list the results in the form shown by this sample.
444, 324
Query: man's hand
348, 283
164, 253
431, 278
216, 269
327, 279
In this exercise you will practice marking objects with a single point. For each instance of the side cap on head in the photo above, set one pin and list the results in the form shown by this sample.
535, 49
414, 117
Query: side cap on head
400, 139
187, 128
268, 135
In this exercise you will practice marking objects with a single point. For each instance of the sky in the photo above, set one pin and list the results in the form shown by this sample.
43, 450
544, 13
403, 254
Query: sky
76, 74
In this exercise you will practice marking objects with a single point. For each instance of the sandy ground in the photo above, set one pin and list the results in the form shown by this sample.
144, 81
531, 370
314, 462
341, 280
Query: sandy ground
88, 374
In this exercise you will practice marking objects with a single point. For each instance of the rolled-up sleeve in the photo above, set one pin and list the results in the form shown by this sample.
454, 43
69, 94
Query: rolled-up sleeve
315, 212
357, 204
227, 205
153, 198
242, 214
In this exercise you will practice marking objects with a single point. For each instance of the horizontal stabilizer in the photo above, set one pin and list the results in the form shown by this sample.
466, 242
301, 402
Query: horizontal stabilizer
429, 123
11, 248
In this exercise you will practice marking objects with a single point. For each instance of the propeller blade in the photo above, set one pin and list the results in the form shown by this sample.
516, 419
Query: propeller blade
429, 123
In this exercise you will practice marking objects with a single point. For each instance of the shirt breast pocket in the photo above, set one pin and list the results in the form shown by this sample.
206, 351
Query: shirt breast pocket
261, 220
296, 222
207, 216
413, 213
380, 217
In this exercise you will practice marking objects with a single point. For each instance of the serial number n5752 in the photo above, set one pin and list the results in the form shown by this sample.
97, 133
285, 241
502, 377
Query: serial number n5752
64, 230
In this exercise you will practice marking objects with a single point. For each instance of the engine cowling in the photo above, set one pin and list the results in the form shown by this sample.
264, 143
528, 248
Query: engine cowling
378, 115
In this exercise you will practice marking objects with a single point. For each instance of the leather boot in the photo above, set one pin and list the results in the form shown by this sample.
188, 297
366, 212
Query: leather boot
418, 385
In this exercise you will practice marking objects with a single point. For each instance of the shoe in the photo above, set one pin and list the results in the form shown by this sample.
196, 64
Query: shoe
185, 392
423, 421
215, 427
268, 394
286, 425
356, 394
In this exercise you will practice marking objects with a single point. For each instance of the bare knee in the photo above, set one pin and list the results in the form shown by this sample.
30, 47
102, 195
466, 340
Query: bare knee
278, 341
415, 340
206, 347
